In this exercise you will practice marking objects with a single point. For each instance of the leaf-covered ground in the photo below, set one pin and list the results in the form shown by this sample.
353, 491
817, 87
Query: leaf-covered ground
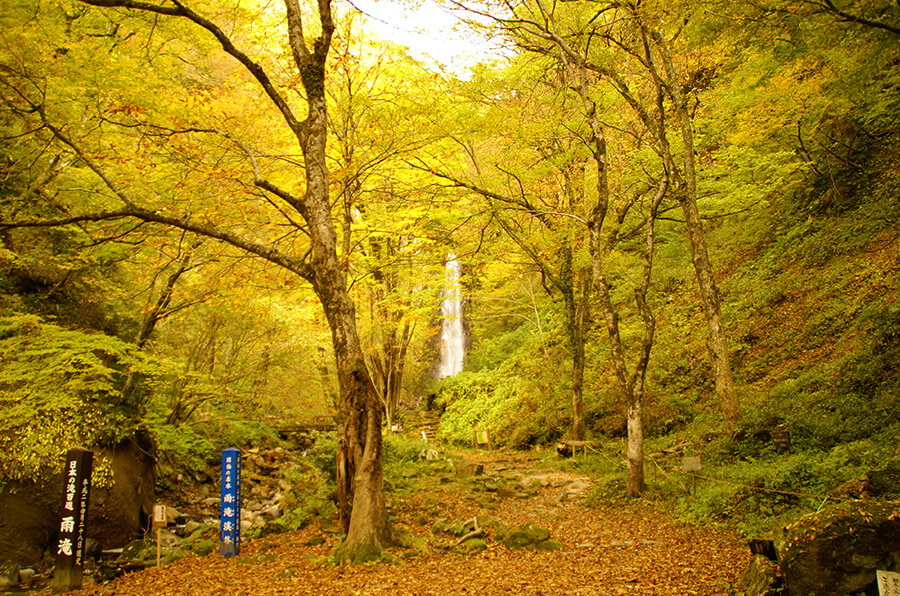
624, 549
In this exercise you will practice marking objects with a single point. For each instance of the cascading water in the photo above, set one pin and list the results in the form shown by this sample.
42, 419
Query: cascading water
453, 348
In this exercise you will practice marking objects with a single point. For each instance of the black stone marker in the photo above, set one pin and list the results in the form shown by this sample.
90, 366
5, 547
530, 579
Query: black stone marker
69, 547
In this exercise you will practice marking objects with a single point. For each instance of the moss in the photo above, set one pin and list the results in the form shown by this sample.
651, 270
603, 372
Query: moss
526, 536
358, 554
473, 545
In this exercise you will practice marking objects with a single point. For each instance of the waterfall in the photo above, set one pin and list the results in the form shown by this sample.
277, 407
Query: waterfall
453, 349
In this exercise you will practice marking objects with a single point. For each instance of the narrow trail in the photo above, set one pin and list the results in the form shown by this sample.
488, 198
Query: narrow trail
624, 549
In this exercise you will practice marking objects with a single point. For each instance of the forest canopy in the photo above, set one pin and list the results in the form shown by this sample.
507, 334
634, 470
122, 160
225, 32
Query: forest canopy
677, 223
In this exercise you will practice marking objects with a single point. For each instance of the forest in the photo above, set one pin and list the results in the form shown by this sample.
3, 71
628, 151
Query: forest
675, 227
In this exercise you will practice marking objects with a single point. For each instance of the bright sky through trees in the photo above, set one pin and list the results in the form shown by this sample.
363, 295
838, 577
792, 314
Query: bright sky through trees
434, 33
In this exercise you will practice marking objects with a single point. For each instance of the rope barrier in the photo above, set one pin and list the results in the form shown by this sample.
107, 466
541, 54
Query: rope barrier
735, 483
768, 490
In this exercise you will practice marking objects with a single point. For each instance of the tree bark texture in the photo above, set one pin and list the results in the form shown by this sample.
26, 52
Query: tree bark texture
709, 293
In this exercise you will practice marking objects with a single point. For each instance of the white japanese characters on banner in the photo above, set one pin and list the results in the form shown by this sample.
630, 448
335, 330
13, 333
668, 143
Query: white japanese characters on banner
230, 512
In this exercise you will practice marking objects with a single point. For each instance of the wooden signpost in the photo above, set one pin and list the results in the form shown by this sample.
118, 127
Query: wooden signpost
73, 513
159, 522
781, 437
482, 437
691, 465
230, 510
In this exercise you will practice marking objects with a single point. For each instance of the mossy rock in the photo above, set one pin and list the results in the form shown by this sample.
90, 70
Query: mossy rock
839, 549
762, 578
442, 526
526, 536
473, 545
202, 547
411, 542
136, 550
549, 545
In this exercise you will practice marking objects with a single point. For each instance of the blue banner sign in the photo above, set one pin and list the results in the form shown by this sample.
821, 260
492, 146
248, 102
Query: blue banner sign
230, 511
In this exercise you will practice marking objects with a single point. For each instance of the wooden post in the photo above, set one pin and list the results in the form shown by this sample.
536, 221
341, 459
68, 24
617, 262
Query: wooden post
159, 522
691, 465
70, 545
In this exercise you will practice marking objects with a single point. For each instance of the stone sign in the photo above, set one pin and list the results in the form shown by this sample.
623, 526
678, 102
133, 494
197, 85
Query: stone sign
230, 511
70, 544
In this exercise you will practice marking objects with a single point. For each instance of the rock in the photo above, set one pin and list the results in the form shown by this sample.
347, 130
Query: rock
526, 536
837, 550
855, 488
315, 541
886, 482
469, 469
132, 551
246, 525
211, 501
92, 549
563, 450
533, 481
429, 454
168, 540
25, 576
173, 516
30, 518
762, 578
272, 528
253, 506
474, 545
577, 487
191, 526
9, 575
273, 511
506, 493
548, 545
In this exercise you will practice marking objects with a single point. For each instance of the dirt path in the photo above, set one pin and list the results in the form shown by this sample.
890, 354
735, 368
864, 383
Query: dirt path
630, 549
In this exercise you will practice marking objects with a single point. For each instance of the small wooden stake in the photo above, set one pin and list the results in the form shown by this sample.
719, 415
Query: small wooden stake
159, 522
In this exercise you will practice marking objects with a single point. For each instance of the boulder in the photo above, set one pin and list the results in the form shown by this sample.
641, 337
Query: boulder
837, 550
469, 469
9, 575
118, 513
526, 536
762, 578
173, 516
26, 576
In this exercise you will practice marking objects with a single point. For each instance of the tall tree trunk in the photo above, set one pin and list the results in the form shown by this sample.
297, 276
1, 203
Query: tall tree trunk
717, 334
361, 501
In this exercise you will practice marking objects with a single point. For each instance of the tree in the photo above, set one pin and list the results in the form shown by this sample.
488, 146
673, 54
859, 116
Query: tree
629, 30
536, 28
359, 471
